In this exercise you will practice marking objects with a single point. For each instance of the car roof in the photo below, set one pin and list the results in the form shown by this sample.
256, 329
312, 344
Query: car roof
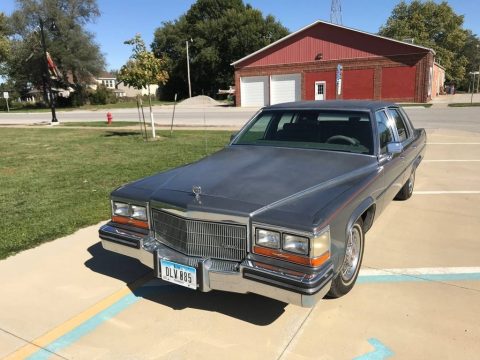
332, 105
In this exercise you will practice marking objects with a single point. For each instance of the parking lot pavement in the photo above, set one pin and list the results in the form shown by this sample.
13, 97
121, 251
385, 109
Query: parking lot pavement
50, 284
417, 297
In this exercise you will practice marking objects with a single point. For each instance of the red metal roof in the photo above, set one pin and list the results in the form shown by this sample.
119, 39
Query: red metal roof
332, 42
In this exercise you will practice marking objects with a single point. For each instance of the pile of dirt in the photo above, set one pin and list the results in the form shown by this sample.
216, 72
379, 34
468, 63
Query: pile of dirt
200, 100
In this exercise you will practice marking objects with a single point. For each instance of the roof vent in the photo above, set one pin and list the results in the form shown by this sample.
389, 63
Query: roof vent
319, 56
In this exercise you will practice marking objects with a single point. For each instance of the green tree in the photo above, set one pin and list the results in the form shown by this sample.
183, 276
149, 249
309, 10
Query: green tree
142, 70
71, 46
471, 51
435, 26
222, 31
4, 41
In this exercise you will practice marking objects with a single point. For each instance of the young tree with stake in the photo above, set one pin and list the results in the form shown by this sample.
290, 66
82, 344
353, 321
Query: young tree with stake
142, 70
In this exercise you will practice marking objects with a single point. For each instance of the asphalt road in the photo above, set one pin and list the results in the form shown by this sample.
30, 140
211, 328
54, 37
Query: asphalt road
467, 118
184, 116
417, 297
442, 117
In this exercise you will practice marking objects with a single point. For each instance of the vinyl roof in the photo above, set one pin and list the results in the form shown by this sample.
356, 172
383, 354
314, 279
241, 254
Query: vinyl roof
333, 105
330, 24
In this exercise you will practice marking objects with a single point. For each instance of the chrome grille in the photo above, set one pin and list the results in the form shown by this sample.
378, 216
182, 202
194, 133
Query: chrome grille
201, 238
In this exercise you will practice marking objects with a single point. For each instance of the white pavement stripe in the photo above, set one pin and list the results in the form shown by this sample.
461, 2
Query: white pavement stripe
444, 192
451, 160
454, 143
420, 271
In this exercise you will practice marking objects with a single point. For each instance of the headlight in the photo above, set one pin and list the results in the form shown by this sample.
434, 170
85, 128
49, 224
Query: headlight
121, 209
268, 238
139, 212
295, 244
321, 243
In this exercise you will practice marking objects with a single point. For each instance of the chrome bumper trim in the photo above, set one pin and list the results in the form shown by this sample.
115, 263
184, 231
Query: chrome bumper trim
212, 277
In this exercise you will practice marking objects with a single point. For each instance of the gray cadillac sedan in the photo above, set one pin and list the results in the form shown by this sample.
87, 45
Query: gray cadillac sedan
282, 211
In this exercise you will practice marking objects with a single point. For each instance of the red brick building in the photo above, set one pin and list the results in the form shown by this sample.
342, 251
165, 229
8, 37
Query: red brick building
325, 61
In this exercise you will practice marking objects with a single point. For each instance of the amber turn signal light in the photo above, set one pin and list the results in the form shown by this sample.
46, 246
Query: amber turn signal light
303, 260
130, 221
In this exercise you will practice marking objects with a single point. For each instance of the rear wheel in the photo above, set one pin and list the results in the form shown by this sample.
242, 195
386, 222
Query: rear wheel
346, 277
407, 190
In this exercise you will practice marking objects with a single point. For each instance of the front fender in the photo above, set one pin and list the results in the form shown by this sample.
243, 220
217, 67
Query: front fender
359, 210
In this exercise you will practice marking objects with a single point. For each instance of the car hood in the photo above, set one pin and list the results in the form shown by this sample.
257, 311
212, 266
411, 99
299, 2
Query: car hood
254, 175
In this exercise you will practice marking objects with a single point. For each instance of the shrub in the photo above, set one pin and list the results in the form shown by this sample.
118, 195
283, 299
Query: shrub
102, 96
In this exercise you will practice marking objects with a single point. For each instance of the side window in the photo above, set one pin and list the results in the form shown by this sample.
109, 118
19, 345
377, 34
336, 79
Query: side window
384, 131
285, 119
257, 131
402, 128
406, 119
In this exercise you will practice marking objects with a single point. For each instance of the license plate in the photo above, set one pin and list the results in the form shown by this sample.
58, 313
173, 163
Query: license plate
179, 274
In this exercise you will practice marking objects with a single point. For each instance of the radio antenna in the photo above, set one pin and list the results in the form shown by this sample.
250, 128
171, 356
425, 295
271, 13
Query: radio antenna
336, 12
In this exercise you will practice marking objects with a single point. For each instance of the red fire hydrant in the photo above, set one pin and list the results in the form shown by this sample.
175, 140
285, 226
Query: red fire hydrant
109, 118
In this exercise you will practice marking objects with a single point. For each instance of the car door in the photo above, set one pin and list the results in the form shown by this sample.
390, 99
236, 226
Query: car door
391, 164
405, 137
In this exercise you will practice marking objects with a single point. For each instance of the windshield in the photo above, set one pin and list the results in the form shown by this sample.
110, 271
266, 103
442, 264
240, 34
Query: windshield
313, 129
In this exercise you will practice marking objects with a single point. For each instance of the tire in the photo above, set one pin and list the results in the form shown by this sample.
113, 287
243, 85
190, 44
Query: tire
406, 191
344, 281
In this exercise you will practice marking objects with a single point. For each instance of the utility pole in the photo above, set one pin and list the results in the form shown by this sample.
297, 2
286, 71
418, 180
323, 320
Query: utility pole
188, 71
474, 73
47, 75
478, 79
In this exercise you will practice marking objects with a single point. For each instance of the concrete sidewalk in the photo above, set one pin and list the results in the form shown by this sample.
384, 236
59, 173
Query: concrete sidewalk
444, 100
44, 286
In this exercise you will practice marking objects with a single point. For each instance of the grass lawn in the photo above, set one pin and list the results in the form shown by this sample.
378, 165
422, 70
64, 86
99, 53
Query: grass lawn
55, 181
123, 105
415, 105
464, 104
102, 124
118, 105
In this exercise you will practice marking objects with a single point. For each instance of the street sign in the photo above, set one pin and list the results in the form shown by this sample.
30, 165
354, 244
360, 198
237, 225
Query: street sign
339, 78
5, 94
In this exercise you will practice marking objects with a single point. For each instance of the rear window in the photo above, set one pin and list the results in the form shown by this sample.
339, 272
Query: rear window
345, 131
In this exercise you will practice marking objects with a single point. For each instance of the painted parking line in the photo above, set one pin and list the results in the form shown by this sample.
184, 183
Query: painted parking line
453, 192
380, 351
418, 274
84, 328
451, 160
70, 325
72, 330
91, 324
453, 143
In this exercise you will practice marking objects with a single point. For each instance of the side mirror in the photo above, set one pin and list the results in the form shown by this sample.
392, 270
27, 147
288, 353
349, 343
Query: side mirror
394, 148
233, 136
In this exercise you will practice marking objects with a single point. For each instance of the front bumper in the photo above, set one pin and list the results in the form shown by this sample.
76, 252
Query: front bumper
252, 275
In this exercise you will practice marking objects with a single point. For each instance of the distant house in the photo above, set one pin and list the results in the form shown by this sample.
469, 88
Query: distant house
118, 87
132, 92
105, 78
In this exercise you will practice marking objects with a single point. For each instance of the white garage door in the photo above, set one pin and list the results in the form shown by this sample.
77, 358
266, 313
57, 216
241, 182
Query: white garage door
284, 88
254, 90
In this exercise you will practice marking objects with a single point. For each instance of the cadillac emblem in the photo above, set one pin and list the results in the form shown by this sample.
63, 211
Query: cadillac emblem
197, 191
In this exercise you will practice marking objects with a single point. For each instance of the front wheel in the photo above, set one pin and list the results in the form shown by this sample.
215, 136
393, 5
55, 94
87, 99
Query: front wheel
344, 281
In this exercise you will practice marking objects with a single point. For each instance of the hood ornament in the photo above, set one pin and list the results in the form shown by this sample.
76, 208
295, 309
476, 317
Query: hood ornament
197, 191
